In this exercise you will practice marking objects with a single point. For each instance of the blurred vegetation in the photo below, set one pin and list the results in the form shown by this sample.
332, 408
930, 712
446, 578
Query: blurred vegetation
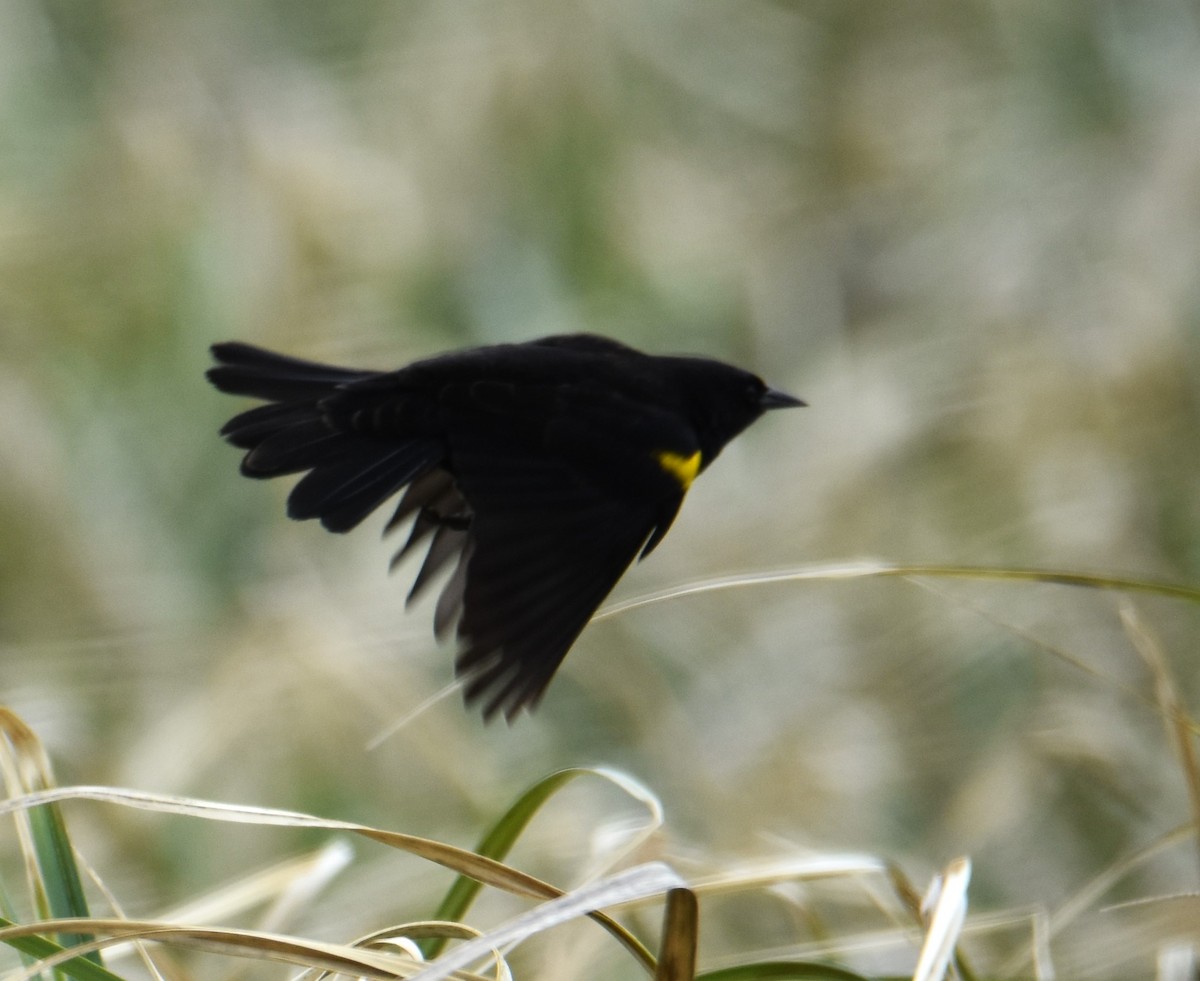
967, 233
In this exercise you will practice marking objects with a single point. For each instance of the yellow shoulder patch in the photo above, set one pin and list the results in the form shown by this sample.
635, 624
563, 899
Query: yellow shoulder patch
682, 468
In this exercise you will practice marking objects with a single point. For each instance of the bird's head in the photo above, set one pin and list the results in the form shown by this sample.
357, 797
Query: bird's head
724, 400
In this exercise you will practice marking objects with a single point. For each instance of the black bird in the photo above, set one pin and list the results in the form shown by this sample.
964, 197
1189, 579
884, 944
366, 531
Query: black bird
540, 469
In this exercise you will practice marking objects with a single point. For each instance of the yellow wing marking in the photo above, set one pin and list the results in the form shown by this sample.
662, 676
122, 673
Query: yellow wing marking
682, 468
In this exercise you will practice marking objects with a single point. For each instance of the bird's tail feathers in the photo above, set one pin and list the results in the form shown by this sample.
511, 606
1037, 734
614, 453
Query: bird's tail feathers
243, 369
350, 474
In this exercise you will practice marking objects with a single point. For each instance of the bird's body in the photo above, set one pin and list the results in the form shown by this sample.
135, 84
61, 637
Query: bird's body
541, 470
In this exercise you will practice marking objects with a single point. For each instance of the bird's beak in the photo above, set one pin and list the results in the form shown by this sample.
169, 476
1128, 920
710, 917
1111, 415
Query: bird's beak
772, 398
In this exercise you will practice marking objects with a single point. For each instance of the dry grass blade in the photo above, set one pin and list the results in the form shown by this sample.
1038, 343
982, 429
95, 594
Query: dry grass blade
879, 570
947, 911
681, 933
1180, 725
481, 868
458, 859
1089, 896
754, 875
1162, 924
307, 954
637, 883
286, 885
407, 936
1177, 963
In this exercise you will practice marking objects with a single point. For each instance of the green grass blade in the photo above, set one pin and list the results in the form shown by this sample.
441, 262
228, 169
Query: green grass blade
59, 871
496, 844
782, 971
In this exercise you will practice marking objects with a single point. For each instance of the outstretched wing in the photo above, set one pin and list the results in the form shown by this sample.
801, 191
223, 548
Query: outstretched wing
539, 566
545, 546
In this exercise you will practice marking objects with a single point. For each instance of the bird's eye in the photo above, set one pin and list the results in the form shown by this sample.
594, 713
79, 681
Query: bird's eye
753, 391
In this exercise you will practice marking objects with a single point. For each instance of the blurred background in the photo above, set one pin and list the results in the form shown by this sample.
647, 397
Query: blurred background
967, 233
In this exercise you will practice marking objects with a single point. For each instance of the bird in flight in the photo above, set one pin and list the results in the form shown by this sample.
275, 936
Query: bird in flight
537, 471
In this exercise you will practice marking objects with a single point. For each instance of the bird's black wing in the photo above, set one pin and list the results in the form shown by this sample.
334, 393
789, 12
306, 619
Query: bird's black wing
546, 542
543, 552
